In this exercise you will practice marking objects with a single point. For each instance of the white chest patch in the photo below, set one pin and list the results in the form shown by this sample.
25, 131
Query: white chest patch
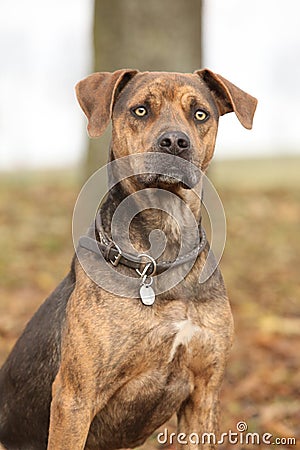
186, 330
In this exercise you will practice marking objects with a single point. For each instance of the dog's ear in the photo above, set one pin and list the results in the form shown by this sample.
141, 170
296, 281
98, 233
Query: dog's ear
96, 95
230, 98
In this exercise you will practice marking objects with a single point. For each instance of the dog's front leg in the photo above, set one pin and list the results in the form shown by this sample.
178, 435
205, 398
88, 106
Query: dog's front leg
75, 388
70, 418
198, 416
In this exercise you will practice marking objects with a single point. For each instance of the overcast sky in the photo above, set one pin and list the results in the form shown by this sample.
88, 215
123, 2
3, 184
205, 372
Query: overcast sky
45, 50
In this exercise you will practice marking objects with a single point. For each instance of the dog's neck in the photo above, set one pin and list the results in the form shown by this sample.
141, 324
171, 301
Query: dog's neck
174, 216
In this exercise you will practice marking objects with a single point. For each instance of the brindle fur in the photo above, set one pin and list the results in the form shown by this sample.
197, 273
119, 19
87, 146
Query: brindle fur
113, 369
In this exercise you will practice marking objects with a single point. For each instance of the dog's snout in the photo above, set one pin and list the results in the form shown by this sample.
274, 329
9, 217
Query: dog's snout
174, 142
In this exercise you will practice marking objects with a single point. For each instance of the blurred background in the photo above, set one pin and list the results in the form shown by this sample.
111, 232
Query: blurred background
45, 156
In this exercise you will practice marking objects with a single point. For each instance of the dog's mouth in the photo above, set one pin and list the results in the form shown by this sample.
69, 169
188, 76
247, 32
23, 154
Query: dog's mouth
168, 180
173, 178
167, 176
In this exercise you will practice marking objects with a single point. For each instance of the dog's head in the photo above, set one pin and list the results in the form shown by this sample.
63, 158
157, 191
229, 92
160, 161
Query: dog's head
166, 113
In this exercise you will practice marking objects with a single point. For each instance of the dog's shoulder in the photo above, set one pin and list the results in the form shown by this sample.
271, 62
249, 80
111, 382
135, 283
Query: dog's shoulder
34, 362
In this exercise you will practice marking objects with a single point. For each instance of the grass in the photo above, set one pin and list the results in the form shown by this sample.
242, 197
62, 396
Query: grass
260, 266
263, 173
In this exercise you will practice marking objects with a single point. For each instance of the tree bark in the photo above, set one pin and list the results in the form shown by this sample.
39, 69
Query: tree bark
162, 35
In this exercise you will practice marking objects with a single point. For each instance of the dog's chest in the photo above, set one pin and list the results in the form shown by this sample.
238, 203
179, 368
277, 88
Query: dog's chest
159, 380
163, 341
186, 330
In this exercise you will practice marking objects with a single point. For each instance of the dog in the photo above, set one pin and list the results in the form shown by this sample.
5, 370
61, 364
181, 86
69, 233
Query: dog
98, 371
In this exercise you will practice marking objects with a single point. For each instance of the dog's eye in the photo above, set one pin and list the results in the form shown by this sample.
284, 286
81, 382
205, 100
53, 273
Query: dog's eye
140, 111
201, 115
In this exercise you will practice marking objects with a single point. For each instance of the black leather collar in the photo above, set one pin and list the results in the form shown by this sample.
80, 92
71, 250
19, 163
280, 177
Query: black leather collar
112, 253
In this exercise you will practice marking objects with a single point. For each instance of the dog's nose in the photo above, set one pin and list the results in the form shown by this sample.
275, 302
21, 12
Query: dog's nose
174, 142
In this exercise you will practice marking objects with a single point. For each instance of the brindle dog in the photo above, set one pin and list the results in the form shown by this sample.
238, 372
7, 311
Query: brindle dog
113, 369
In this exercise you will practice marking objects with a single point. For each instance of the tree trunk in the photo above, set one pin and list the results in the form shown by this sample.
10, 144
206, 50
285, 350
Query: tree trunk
163, 35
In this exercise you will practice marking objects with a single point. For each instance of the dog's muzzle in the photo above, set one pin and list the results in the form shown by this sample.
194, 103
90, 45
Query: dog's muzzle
167, 172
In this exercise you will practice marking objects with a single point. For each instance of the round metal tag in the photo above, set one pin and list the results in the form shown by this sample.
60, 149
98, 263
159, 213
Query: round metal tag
147, 295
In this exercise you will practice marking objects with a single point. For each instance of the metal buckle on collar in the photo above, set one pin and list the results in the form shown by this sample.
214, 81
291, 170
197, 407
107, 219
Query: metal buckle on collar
117, 257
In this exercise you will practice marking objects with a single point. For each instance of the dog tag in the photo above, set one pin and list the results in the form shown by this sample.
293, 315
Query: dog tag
147, 295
